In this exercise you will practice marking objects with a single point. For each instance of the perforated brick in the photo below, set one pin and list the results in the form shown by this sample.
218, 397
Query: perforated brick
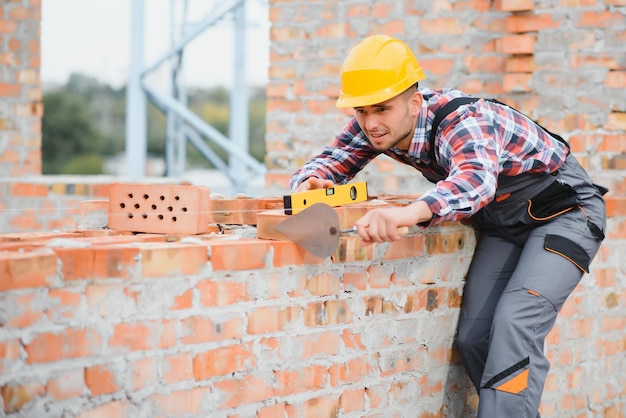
161, 209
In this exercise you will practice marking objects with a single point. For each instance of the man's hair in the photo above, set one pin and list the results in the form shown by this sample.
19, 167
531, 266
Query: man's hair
411, 89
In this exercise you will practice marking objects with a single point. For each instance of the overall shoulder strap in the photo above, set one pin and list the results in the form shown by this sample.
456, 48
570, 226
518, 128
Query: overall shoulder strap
453, 104
440, 115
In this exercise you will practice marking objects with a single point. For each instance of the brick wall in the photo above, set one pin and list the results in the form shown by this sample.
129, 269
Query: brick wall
562, 62
235, 321
20, 105
229, 323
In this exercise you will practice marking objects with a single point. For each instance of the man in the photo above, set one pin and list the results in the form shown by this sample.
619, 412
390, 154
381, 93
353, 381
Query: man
539, 217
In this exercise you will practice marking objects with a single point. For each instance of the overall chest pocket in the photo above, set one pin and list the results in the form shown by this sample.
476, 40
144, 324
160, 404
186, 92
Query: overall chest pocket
556, 199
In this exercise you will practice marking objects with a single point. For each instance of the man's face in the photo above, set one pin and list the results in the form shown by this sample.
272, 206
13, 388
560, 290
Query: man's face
390, 123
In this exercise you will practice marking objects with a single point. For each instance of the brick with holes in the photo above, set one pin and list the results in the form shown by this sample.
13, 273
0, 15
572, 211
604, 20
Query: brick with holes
159, 208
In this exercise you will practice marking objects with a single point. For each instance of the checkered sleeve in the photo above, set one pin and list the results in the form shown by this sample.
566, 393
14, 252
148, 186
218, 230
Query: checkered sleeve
340, 161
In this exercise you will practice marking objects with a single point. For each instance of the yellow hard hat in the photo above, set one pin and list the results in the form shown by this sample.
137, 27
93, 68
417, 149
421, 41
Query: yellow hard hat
377, 69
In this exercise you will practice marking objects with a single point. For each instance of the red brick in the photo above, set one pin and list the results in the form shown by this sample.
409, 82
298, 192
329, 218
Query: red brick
183, 402
273, 411
301, 379
117, 261
616, 79
197, 330
331, 312
379, 276
324, 406
437, 66
325, 343
354, 278
227, 255
20, 270
101, 380
604, 19
271, 319
515, 5
223, 361
402, 360
520, 64
351, 371
222, 293
10, 90
287, 253
144, 373
76, 263
23, 310
16, 396
177, 368
69, 385
517, 44
351, 249
137, 336
266, 224
485, 64
472, 5
516, 82
70, 343
323, 285
243, 390
159, 208
616, 121
183, 300
8, 26
408, 246
108, 300
28, 190
448, 26
9, 356
158, 260
352, 400
530, 22
445, 243
615, 143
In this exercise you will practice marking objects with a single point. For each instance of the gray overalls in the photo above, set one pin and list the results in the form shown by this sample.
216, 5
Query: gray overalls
534, 246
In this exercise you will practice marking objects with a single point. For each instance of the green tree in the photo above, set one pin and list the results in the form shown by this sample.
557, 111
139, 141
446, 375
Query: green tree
85, 121
67, 131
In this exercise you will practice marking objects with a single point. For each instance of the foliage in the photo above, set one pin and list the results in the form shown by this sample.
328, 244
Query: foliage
67, 131
84, 119
84, 164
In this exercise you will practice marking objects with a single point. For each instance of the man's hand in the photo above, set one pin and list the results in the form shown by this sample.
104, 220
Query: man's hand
380, 225
314, 183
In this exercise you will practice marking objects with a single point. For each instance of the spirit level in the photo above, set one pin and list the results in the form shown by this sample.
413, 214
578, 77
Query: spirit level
332, 196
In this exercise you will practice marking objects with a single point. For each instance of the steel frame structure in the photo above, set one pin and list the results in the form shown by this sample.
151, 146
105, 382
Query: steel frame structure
182, 124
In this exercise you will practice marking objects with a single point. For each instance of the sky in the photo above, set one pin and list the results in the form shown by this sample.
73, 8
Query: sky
93, 37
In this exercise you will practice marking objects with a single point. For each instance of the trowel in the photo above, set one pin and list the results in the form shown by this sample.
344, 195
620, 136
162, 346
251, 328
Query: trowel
316, 229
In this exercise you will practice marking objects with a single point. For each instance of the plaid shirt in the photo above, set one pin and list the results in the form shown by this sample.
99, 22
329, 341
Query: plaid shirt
476, 143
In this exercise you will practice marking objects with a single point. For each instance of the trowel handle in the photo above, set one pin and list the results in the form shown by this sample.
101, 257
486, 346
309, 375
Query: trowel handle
402, 230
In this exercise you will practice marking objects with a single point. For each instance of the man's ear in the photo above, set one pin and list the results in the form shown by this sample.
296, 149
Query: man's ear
415, 103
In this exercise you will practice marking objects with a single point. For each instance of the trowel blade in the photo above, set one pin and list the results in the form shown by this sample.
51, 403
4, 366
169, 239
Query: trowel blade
316, 229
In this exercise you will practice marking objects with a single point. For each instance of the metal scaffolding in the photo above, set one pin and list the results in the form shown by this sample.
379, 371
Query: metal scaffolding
183, 126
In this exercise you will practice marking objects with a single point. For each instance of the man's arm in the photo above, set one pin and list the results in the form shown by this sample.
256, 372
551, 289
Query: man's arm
380, 225
340, 161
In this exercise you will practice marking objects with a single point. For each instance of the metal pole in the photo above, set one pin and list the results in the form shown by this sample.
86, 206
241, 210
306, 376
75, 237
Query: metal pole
167, 102
238, 122
136, 113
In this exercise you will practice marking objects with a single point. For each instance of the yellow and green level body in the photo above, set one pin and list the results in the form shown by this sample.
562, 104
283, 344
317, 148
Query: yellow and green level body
332, 196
